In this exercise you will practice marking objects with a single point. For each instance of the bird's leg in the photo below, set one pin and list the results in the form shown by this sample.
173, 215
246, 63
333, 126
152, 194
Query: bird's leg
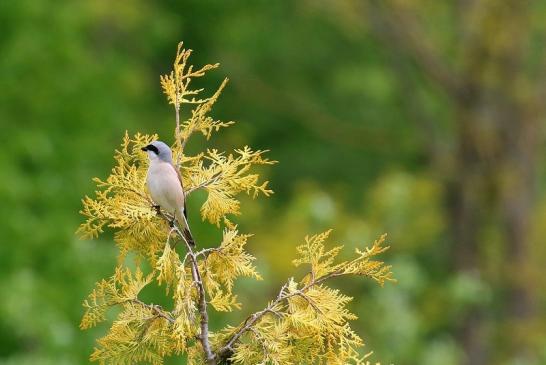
171, 223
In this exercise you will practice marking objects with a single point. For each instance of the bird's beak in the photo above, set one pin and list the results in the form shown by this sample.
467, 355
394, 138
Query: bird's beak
144, 148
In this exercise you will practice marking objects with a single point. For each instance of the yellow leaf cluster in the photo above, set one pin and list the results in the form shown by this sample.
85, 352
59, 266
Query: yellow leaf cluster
185, 307
308, 323
321, 261
121, 203
138, 335
176, 85
168, 266
121, 289
223, 265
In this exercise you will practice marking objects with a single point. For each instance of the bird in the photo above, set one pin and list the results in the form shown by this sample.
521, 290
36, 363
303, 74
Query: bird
165, 185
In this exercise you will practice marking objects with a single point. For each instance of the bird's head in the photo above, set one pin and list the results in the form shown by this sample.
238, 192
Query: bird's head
158, 150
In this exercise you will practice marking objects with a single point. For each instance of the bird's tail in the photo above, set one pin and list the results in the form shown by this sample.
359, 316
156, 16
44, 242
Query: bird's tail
188, 237
181, 218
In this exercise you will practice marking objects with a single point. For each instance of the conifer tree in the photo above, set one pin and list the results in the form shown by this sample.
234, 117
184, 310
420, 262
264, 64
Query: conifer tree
306, 323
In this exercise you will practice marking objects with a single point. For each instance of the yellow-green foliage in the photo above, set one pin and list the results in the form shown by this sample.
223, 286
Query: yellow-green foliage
307, 323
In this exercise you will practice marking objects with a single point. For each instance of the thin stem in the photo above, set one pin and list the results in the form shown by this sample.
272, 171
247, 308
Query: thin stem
205, 183
177, 103
181, 84
196, 276
206, 251
177, 116
156, 309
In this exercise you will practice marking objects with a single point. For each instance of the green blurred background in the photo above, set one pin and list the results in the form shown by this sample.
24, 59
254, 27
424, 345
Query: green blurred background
420, 118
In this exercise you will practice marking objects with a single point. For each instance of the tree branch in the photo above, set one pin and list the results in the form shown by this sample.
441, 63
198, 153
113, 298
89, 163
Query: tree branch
202, 303
196, 275
251, 320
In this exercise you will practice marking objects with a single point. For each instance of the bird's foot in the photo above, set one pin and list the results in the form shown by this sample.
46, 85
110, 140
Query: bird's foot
157, 209
171, 223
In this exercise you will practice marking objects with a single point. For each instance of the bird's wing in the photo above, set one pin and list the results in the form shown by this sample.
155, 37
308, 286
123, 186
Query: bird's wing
182, 185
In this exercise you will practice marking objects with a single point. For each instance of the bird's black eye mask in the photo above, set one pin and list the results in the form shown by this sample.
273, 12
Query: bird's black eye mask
152, 148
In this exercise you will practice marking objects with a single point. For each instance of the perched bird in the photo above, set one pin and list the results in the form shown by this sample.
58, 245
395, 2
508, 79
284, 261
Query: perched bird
165, 185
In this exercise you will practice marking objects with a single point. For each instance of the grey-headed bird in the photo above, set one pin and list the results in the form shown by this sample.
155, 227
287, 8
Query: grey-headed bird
165, 185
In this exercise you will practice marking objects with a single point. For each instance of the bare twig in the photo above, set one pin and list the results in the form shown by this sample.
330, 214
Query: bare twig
206, 251
156, 309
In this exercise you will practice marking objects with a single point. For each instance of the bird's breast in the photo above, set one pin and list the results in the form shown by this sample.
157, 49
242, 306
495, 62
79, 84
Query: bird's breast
164, 186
